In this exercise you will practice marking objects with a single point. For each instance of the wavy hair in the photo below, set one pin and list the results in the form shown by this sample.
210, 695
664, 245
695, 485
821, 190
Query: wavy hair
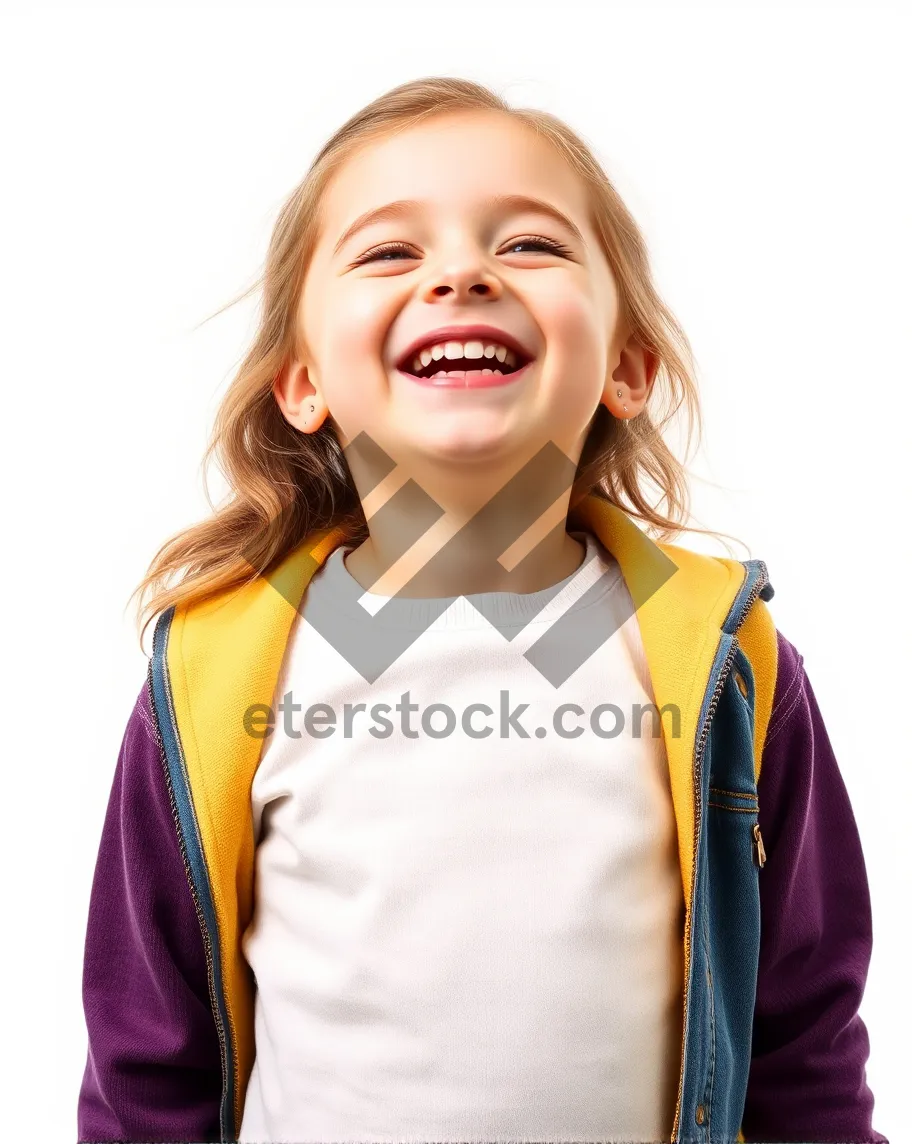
284, 484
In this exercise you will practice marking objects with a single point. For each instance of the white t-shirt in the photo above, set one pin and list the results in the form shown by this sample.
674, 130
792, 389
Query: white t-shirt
458, 937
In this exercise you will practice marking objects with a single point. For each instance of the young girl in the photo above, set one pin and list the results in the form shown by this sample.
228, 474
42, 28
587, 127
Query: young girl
454, 806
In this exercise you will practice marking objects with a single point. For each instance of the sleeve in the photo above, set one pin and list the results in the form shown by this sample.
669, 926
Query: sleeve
153, 1071
810, 1046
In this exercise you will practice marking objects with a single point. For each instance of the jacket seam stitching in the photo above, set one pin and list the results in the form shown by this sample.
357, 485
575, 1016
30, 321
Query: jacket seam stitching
733, 793
144, 717
783, 722
792, 695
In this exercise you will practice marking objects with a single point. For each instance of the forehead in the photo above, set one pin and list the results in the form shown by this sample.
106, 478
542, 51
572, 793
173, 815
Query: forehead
453, 163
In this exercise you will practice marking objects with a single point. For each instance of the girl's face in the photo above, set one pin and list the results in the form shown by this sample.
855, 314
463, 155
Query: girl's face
435, 227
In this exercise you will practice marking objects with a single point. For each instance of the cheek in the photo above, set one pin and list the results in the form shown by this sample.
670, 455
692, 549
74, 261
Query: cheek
576, 332
567, 311
355, 327
352, 324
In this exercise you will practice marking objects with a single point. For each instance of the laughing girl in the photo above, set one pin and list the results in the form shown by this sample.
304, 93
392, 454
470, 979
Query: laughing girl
459, 802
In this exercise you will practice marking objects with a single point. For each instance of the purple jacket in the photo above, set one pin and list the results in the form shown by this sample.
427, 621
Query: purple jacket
167, 1003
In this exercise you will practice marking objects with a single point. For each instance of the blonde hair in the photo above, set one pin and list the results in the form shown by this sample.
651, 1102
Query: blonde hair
285, 484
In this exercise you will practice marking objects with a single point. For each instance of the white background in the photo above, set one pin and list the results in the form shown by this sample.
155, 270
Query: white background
764, 151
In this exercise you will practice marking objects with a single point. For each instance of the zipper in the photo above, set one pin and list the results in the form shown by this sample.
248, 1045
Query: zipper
759, 584
759, 852
207, 943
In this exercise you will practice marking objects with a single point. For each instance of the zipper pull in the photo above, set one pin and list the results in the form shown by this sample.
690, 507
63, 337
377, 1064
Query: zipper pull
759, 852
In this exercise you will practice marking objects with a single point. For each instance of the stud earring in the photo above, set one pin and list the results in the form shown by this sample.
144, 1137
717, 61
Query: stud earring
619, 395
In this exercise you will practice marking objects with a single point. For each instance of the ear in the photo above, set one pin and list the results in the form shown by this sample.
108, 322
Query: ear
631, 380
300, 402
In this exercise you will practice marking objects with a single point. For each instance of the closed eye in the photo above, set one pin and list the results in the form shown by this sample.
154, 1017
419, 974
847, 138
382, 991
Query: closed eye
548, 244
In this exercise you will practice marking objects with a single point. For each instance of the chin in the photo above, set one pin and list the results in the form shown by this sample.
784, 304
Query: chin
468, 442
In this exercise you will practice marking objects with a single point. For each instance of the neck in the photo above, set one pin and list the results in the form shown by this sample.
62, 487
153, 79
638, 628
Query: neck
437, 533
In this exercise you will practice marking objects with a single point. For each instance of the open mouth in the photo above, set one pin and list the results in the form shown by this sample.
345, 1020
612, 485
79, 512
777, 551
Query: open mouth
512, 362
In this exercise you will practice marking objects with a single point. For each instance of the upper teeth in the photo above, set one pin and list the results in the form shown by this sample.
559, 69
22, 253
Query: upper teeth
463, 350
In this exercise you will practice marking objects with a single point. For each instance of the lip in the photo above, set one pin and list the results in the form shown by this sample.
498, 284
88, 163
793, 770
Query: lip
482, 381
471, 333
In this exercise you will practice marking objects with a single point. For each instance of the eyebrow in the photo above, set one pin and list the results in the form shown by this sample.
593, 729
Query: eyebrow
515, 204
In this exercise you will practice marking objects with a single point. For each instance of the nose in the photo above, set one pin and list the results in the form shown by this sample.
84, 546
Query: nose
462, 284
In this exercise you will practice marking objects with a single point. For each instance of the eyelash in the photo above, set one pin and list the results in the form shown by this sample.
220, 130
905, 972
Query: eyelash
534, 240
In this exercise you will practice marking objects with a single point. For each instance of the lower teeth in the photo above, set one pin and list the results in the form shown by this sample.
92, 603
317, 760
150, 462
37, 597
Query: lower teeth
463, 373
